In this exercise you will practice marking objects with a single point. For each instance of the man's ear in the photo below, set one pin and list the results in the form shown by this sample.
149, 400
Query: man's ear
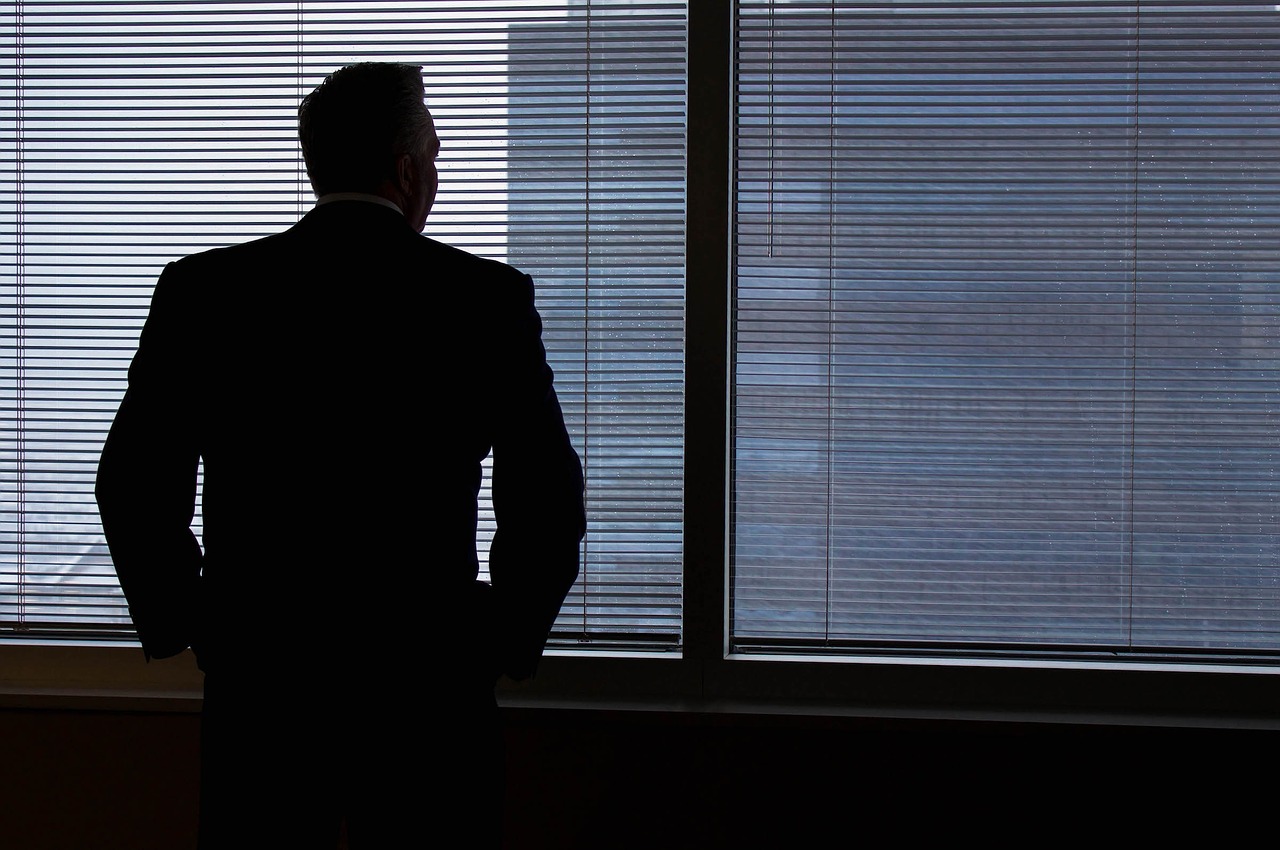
406, 174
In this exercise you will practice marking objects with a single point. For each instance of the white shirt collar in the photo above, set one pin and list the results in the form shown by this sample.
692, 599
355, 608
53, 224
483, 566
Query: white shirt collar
358, 196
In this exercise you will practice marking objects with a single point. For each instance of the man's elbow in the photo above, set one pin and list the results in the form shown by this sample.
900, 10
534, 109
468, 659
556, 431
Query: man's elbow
580, 521
108, 490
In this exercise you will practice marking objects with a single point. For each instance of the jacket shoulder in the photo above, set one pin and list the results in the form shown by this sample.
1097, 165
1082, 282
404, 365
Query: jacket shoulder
456, 259
213, 258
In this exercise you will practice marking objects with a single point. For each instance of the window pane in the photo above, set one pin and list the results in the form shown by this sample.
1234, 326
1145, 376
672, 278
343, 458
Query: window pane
1006, 325
137, 133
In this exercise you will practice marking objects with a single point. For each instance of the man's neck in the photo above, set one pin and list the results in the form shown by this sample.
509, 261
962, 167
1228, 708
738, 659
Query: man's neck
358, 196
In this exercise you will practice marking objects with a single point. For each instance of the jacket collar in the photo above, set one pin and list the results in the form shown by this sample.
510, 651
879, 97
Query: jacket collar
334, 197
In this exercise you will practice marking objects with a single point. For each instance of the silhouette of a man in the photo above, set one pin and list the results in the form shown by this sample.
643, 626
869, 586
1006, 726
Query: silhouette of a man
341, 382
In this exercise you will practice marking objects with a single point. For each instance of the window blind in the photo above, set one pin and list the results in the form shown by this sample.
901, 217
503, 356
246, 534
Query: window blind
135, 133
1007, 328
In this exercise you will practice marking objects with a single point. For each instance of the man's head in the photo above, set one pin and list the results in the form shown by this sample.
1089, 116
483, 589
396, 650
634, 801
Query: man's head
366, 129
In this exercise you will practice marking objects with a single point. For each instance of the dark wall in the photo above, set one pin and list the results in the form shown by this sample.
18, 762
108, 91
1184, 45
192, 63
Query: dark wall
100, 780
82, 780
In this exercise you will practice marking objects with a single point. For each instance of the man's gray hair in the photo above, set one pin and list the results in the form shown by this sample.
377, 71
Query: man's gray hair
355, 125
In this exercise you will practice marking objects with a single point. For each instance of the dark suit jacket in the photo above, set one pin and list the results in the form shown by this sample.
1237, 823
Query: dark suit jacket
342, 382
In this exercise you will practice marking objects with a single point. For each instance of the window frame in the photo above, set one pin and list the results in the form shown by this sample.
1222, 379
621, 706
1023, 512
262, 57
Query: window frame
705, 677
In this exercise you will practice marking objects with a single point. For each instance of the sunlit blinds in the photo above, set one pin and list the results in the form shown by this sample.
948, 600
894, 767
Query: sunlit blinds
1007, 326
134, 133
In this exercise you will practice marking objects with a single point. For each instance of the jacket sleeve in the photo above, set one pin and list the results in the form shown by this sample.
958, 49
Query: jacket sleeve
146, 479
537, 495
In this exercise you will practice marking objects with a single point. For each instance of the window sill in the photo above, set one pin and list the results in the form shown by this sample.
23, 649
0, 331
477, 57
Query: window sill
115, 677
95, 676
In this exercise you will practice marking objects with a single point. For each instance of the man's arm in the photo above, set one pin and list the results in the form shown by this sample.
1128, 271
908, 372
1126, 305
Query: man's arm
537, 497
146, 480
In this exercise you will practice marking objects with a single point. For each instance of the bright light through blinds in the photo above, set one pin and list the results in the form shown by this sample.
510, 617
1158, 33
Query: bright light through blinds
1007, 326
135, 133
